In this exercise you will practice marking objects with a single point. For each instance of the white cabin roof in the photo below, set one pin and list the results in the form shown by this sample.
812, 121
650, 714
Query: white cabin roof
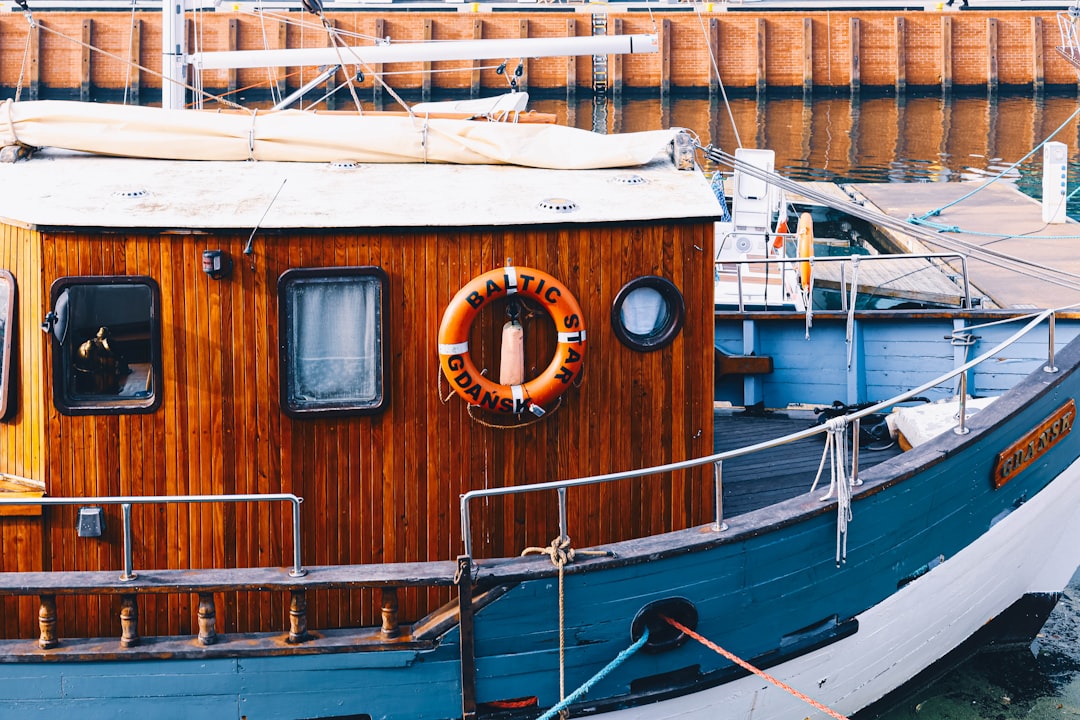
64, 189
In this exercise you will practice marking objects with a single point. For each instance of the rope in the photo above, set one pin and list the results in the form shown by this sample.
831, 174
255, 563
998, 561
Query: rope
997, 177
760, 673
561, 553
604, 672
835, 453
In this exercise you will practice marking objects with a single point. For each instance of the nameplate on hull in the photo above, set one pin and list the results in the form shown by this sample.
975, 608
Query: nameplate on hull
1017, 457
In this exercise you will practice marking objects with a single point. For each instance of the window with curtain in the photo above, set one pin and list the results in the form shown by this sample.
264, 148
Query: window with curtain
331, 325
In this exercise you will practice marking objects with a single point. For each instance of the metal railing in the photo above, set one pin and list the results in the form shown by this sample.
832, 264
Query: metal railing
717, 458
126, 502
845, 260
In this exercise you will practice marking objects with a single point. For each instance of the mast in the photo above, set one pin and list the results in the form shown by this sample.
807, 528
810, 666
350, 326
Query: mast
173, 55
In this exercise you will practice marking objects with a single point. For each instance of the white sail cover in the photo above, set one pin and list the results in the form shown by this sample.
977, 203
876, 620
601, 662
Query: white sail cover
294, 135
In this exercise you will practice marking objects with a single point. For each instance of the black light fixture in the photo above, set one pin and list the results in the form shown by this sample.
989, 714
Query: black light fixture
217, 264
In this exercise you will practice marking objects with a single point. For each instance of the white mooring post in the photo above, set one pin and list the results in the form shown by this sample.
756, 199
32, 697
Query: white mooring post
173, 55
1054, 182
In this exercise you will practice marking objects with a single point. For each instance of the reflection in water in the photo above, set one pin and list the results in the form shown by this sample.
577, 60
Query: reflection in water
880, 139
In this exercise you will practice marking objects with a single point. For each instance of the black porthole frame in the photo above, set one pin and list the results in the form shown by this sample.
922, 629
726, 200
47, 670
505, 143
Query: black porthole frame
676, 314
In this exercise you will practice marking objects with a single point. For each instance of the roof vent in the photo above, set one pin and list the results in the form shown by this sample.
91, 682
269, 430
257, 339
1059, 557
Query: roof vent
344, 164
131, 193
629, 179
559, 205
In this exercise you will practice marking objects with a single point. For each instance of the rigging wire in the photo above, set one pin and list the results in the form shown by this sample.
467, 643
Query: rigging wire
719, 80
131, 52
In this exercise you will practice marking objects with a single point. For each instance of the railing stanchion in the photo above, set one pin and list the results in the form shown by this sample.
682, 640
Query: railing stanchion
962, 429
298, 567
1051, 366
718, 490
129, 573
564, 536
466, 530
856, 429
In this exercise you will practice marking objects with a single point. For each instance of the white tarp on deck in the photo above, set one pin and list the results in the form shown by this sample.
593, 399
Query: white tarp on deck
293, 135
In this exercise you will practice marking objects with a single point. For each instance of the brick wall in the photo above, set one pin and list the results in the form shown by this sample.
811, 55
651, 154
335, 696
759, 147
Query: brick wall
1019, 41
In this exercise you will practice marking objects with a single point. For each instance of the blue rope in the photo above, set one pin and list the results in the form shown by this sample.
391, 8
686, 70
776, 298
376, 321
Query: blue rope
997, 177
718, 191
619, 660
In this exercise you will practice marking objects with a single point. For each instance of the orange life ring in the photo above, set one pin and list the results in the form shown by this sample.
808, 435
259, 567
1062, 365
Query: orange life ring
805, 246
536, 394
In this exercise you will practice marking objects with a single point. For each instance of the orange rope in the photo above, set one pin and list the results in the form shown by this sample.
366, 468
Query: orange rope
760, 673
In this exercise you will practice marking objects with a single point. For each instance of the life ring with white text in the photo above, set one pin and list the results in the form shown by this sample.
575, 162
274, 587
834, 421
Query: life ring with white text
536, 395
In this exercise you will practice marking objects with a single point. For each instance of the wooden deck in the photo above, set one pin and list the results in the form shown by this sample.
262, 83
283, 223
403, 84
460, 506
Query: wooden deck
755, 481
998, 218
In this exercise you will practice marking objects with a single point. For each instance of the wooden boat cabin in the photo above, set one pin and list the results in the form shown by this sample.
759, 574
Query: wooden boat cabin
219, 329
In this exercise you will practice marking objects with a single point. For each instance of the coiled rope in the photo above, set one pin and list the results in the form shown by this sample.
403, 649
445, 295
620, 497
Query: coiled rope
836, 454
750, 668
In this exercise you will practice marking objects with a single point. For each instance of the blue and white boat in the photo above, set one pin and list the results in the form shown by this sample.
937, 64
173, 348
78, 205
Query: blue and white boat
330, 436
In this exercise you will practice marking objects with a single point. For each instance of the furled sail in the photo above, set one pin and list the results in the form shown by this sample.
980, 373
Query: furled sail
293, 135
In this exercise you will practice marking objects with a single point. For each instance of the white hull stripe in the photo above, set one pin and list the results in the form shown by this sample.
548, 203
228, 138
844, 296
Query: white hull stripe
454, 348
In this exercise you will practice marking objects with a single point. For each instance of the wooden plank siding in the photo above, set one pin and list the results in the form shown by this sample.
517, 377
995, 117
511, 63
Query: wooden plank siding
379, 488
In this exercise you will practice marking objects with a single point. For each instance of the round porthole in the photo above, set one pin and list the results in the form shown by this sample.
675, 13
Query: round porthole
648, 313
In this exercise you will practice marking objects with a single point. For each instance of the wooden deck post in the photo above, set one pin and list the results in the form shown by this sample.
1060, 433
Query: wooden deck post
129, 621
615, 75
714, 60
523, 32
35, 62
854, 68
808, 58
761, 66
992, 54
474, 73
571, 65
297, 617
234, 44
47, 622
901, 56
207, 619
665, 61
390, 628
1038, 70
425, 82
946, 54
282, 74
87, 54
136, 59
377, 68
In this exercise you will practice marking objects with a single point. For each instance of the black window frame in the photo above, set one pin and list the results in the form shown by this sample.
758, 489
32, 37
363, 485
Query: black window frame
7, 343
676, 314
330, 409
62, 352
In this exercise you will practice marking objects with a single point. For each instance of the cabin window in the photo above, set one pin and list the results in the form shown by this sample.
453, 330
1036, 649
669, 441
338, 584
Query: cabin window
106, 345
332, 348
648, 313
7, 315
